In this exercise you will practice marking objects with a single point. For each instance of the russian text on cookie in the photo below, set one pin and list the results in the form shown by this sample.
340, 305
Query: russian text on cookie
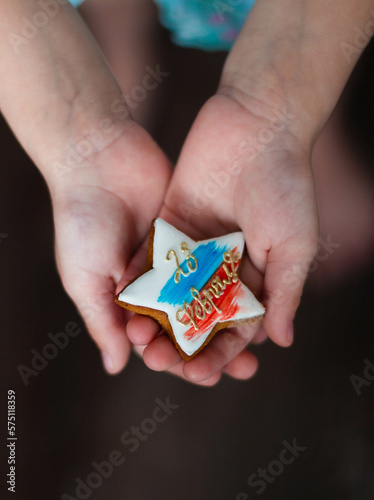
195, 283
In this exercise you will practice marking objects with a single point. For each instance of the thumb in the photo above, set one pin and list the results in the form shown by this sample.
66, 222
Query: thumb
105, 320
286, 271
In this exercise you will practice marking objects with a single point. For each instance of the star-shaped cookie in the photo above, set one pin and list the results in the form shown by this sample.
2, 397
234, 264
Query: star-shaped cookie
192, 288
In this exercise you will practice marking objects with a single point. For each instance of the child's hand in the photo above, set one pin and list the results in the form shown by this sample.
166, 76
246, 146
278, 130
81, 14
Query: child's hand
103, 209
106, 176
240, 171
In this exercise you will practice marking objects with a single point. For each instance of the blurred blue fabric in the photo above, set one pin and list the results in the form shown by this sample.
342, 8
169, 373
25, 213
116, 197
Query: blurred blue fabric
76, 3
202, 24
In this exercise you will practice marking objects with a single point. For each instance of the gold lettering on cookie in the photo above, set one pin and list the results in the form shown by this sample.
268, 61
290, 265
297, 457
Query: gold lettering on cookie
204, 303
186, 311
191, 262
231, 259
216, 287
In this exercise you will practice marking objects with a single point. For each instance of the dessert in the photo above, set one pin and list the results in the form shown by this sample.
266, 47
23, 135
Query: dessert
192, 288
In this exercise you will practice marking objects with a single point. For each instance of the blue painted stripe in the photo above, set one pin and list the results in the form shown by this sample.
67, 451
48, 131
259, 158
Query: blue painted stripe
209, 257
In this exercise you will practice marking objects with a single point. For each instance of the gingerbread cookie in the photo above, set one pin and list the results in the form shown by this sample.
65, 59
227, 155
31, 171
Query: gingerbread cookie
192, 288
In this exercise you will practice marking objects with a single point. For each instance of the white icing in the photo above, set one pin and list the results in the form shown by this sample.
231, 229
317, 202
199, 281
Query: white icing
145, 291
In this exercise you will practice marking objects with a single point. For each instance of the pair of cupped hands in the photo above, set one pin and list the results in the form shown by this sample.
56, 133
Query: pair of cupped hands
237, 170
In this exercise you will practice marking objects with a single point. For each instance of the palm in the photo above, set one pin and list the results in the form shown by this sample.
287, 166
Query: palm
102, 215
221, 185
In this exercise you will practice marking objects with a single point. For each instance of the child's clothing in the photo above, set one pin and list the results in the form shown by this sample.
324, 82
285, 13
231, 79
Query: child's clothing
76, 3
203, 24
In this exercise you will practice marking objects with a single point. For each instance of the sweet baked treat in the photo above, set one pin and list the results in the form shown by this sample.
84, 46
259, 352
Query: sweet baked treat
191, 288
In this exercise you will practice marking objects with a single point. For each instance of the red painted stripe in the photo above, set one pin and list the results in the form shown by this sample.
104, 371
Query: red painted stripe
227, 303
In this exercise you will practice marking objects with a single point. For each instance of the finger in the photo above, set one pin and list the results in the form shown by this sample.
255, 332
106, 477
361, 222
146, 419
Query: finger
105, 321
221, 350
142, 330
260, 337
251, 277
161, 354
286, 272
177, 370
135, 266
243, 366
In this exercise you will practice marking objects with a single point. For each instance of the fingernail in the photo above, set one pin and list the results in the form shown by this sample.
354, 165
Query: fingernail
107, 361
289, 334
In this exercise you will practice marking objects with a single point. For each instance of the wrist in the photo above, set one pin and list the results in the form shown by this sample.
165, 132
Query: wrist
269, 102
289, 55
57, 92
74, 145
